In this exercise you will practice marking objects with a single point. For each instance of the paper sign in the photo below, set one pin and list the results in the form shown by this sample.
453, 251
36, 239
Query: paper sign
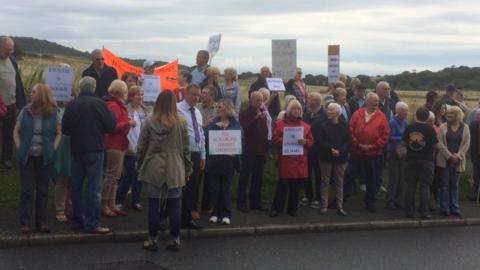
224, 142
291, 135
60, 80
333, 63
284, 58
275, 84
214, 43
151, 87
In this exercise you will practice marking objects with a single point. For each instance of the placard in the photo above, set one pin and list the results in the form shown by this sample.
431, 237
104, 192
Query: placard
151, 87
275, 84
284, 58
333, 63
224, 142
291, 135
214, 43
60, 80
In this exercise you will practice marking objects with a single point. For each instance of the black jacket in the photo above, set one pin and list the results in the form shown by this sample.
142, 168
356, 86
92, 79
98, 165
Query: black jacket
21, 101
86, 120
336, 136
274, 107
108, 75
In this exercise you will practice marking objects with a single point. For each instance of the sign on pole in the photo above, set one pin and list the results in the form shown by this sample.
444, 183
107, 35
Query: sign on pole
151, 87
214, 44
225, 142
284, 58
333, 63
291, 135
275, 84
60, 80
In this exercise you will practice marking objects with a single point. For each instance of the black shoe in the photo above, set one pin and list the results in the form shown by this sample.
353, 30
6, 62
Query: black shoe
274, 213
457, 214
426, 216
259, 208
391, 206
409, 215
192, 225
444, 213
371, 209
242, 209
293, 214
342, 212
174, 246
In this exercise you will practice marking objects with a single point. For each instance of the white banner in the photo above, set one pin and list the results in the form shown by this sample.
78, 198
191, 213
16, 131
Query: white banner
291, 135
275, 84
60, 80
284, 58
151, 87
225, 142
214, 43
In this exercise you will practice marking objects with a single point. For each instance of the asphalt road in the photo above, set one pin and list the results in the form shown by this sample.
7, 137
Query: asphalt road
433, 248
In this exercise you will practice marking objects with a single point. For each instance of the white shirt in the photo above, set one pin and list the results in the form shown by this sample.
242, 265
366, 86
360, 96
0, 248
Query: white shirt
184, 110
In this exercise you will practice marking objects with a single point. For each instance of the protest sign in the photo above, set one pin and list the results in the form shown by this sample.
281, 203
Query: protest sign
214, 44
333, 63
275, 84
151, 87
291, 135
60, 80
284, 58
224, 142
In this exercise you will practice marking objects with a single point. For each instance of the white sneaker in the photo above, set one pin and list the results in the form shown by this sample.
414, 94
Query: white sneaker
304, 201
383, 189
315, 205
363, 187
226, 221
213, 219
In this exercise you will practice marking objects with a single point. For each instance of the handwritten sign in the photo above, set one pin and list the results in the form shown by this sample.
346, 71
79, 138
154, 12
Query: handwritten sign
60, 80
291, 135
151, 87
224, 142
333, 63
214, 43
275, 84
284, 58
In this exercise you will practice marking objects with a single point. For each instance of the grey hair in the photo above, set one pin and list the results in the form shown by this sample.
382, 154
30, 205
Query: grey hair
87, 84
401, 106
4, 39
95, 52
336, 107
371, 95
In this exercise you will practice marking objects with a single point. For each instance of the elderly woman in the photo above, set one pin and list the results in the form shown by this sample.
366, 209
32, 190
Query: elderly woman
116, 145
138, 112
220, 168
292, 169
288, 99
37, 135
396, 164
340, 97
211, 79
333, 139
297, 87
231, 89
130, 78
454, 141
163, 175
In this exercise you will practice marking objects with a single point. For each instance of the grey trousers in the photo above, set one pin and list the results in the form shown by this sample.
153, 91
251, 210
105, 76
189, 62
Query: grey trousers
396, 176
418, 171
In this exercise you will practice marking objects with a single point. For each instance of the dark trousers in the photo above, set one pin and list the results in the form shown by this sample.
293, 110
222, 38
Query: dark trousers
129, 180
373, 167
158, 208
8, 123
292, 188
35, 177
221, 194
206, 201
353, 171
252, 166
436, 183
313, 175
191, 190
476, 178
418, 171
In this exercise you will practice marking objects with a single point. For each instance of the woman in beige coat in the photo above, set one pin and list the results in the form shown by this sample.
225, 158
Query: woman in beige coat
163, 162
453, 144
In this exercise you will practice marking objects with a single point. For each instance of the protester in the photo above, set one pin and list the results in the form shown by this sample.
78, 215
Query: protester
231, 89
297, 87
340, 97
37, 135
207, 105
354, 83
13, 95
130, 78
431, 98
184, 79
292, 169
454, 142
254, 123
420, 140
164, 175
358, 99
220, 168
396, 163
333, 139
103, 74
261, 82
199, 71
288, 99
447, 98
149, 67
475, 154
211, 80
137, 112
440, 111
264, 107
192, 115
386, 104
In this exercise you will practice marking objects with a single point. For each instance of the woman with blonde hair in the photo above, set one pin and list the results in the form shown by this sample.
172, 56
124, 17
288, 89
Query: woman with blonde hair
37, 134
231, 89
211, 79
163, 164
288, 99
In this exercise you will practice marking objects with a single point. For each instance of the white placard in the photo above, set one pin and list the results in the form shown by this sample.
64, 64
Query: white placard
275, 84
151, 87
225, 142
333, 63
214, 43
291, 135
60, 80
284, 58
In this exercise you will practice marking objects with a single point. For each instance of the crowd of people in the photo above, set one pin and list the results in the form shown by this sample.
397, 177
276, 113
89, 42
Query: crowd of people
105, 142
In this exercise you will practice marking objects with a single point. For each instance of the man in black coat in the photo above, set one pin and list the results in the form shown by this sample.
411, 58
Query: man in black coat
102, 73
274, 106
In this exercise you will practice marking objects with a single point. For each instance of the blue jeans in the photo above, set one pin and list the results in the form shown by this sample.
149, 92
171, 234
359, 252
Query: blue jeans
90, 166
129, 179
449, 191
220, 190
157, 208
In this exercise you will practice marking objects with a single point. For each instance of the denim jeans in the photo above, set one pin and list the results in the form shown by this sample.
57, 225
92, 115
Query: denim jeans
418, 172
220, 193
90, 166
129, 179
449, 191
159, 208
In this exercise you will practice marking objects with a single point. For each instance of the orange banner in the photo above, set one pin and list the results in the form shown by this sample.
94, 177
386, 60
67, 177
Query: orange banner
168, 73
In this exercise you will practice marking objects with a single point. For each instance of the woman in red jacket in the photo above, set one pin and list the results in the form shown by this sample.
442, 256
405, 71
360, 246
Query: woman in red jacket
116, 145
293, 138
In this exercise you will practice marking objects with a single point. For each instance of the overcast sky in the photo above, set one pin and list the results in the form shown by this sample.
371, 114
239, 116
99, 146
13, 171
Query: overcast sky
376, 37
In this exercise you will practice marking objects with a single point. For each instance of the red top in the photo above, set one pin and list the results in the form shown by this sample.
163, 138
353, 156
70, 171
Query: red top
118, 139
292, 167
375, 132
3, 108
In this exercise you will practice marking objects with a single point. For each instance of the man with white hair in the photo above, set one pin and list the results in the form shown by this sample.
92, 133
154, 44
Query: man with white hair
297, 87
386, 104
13, 94
103, 74
199, 71
274, 107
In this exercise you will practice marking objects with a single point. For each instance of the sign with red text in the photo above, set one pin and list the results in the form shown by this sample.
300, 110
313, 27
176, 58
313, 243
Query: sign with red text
224, 142
290, 144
